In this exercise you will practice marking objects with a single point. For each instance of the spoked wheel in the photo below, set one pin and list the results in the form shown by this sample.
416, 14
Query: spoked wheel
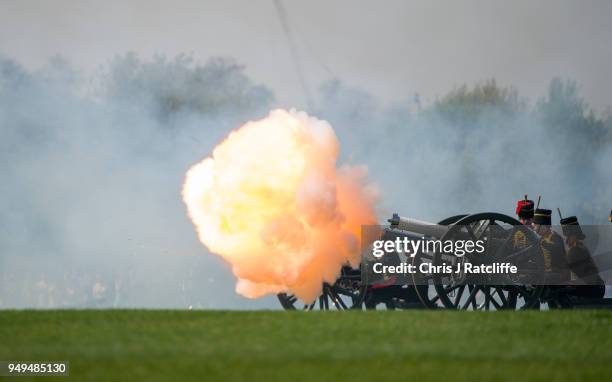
346, 293
477, 291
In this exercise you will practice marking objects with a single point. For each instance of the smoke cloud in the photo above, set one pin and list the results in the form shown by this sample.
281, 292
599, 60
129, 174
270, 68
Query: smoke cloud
91, 213
90, 207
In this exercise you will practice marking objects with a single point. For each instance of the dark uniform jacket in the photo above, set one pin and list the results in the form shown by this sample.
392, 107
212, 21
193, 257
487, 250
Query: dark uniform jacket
582, 264
555, 260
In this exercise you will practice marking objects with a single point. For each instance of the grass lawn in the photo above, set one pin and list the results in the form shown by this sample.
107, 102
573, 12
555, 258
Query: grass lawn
135, 345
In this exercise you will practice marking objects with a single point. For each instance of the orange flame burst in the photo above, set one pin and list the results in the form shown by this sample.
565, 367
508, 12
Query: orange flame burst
271, 202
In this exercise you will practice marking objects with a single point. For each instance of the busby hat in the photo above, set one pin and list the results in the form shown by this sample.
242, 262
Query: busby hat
542, 216
571, 227
524, 209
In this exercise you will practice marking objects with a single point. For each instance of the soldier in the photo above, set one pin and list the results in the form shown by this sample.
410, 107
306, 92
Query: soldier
551, 248
524, 211
580, 261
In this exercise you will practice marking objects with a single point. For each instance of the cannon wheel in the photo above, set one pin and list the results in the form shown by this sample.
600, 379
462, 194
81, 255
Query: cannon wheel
346, 293
467, 296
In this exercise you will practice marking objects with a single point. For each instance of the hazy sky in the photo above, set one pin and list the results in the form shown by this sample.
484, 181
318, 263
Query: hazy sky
391, 48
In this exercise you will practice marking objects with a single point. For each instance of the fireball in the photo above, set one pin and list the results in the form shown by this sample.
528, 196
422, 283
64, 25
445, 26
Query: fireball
271, 201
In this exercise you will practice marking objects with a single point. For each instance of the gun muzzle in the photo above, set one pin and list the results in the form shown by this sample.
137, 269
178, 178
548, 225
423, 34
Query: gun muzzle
418, 226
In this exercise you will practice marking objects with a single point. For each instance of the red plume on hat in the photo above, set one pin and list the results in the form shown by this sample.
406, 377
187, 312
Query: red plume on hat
524, 208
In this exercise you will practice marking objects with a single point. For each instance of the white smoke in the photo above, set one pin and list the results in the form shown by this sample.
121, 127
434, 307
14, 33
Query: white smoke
91, 175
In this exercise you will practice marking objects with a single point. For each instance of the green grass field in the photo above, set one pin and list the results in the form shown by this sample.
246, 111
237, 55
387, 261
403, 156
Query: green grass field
107, 345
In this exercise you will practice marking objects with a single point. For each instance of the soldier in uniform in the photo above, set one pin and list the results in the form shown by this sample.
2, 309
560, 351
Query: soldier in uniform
551, 248
580, 261
524, 211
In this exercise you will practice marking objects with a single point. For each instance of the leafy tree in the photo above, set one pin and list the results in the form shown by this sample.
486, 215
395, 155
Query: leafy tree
464, 106
568, 117
181, 84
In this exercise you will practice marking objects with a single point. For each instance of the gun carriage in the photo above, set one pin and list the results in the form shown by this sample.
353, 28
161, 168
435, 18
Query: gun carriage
353, 290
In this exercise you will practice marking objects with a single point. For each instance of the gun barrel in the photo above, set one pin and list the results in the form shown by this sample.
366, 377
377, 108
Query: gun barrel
418, 226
